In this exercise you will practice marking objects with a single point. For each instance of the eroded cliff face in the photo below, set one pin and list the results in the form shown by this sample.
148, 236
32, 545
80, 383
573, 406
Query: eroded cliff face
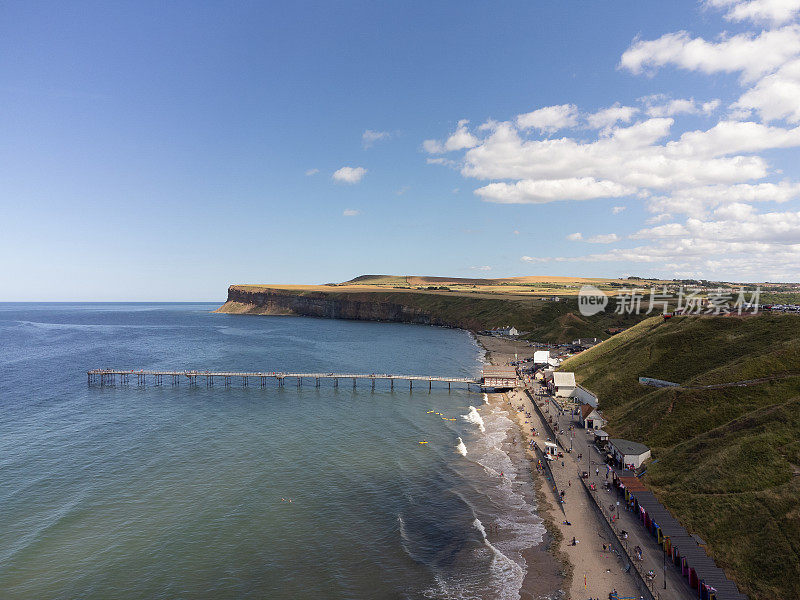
362, 307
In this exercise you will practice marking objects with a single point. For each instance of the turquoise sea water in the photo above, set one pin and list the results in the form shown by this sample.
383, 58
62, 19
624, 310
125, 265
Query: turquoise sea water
182, 492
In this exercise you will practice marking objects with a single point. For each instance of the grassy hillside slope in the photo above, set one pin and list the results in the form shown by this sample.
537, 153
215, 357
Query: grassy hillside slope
727, 458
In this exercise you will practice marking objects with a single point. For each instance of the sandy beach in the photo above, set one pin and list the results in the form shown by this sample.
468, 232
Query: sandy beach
586, 569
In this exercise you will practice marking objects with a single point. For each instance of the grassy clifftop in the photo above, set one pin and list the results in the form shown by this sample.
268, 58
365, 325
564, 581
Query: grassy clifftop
727, 457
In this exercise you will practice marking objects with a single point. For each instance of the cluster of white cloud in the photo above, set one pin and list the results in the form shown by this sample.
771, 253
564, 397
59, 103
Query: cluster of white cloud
604, 238
369, 137
712, 175
349, 174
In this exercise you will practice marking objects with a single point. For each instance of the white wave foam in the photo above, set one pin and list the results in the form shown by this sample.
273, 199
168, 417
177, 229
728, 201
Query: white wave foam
461, 448
479, 526
503, 568
519, 526
486, 398
475, 418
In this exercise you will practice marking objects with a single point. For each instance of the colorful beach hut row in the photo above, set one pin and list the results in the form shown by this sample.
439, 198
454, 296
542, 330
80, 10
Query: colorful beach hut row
681, 549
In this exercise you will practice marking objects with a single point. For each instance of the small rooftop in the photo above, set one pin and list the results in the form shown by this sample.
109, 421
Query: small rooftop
628, 447
564, 379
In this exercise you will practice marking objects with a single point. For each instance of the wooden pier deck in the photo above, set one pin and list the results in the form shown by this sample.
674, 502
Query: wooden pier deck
105, 377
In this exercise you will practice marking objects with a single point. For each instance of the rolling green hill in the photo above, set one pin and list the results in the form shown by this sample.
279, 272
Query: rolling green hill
727, 458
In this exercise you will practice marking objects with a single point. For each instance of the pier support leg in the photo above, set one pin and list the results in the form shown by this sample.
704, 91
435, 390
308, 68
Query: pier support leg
410, 384
448, 386
335, 382
354, 383
299, 381
316, 383
392, 384
430, 384
373, 384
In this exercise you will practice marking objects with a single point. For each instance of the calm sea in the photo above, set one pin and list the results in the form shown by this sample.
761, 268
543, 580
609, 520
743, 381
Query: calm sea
183, 492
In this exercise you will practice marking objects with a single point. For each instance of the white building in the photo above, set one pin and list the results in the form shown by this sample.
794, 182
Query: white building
541, 357
628, 454
563, 384
591, 417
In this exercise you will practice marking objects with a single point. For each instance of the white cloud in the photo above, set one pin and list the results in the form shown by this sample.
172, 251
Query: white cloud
752, 55
312, 172
439, 160
460, 139
705, 187
549, 190
483, 268
697, 201
349, 174
776, 96
536, 259
628, 157
351, 212
618, 209
607, 238
610, 116
369, 137
678, 106
549, 118
734, 224
775, 12
660, 218
403, 190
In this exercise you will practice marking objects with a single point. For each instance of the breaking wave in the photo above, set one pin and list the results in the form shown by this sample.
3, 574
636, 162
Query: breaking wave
475, 418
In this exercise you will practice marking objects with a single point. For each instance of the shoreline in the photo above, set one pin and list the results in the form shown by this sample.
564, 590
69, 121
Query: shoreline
548, 570
583, 570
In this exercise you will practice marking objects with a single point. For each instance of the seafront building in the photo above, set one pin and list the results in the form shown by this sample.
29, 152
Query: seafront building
563, 384
498, 378
628, 454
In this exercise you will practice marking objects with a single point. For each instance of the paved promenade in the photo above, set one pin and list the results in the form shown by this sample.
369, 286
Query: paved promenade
580, 440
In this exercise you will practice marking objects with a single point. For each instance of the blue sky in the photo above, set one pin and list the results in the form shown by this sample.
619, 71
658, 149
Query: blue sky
153, 151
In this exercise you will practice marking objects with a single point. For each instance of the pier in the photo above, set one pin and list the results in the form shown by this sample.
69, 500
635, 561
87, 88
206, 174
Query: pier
109, 377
